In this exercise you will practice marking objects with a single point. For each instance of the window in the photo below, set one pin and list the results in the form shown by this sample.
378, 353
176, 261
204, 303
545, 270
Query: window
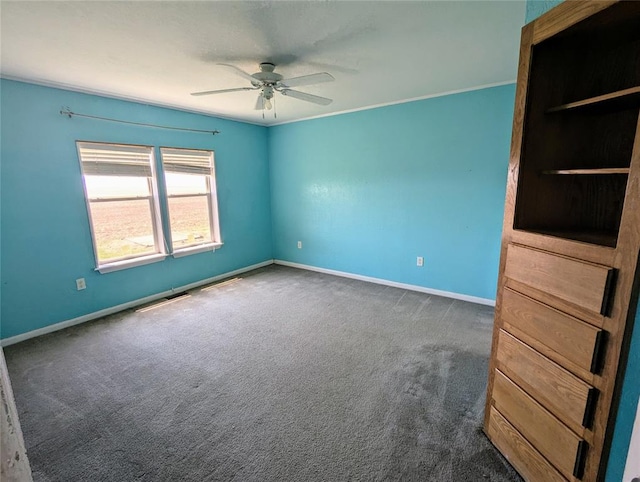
122, 201
124, 206
191, 200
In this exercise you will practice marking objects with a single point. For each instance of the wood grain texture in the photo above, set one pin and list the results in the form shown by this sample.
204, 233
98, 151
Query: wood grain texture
511, 191
620, 99
603, 254
564, 16
520, 453
552, 386
584, 375
572, 309
602, 237
546, 433
575, 281
570, 337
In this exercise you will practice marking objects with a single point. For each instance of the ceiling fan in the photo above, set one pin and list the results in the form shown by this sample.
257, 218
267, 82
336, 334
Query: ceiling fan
268, 82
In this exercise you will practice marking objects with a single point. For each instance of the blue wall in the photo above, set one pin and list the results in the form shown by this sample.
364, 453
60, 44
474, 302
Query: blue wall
626, 409
631, 382
535, 8
46, 241
368, 192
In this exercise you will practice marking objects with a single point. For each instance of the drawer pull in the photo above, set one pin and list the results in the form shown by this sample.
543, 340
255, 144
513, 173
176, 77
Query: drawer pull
598, 352
578, 468
609, 288
590, 408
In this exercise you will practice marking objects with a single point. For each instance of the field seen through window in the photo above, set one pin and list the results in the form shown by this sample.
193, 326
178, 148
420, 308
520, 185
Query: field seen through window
124, 228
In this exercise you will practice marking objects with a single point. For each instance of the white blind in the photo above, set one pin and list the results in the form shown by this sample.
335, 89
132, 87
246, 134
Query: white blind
115, 159
186, 161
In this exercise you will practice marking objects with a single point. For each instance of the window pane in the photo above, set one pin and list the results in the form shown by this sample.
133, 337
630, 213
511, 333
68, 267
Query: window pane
189, 218
185, 183
122, 229
116, 186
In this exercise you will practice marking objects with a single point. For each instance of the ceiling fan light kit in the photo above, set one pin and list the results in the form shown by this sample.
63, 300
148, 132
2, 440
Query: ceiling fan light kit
268, 82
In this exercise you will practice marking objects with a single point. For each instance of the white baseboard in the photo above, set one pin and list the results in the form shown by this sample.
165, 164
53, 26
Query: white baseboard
125, 306
141, 301
380, 281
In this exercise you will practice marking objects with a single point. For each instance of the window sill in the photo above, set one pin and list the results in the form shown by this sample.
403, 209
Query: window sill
201, 248
130, 263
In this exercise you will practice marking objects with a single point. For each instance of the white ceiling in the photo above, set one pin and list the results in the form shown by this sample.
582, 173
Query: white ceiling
159, 52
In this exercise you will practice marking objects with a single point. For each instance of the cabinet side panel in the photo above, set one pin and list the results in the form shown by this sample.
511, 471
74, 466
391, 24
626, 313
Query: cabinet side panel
512, 181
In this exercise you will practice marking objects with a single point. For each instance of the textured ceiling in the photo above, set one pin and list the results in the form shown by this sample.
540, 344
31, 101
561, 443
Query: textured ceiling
159, 52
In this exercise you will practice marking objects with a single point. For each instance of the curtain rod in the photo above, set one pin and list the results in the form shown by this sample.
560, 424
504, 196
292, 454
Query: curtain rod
66, 111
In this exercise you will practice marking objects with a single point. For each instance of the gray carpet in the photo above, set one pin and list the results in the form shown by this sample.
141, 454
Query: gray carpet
284, 375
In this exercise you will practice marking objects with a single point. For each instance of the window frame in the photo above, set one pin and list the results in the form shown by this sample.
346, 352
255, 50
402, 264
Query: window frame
160, 251
212, 204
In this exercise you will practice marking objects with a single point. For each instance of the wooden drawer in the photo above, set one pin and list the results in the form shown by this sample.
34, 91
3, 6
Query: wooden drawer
559, 445
585, 284
520, 453
566, 396
572, 339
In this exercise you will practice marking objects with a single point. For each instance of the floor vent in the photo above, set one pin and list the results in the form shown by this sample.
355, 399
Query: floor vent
164, 301
223, 283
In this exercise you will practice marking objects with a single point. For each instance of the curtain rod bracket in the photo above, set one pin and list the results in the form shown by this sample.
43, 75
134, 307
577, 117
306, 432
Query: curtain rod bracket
66, 111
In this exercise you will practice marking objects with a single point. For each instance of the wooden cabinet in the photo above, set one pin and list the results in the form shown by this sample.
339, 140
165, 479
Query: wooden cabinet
568, 279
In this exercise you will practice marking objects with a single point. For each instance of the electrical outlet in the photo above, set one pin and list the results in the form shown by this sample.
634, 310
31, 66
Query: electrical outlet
299, 244
420, 261
81, 284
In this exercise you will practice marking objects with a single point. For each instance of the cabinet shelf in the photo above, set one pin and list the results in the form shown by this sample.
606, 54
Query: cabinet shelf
621, 98
597, 171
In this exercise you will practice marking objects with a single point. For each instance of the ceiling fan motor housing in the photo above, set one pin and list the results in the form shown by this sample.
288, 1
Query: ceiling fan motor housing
267, 75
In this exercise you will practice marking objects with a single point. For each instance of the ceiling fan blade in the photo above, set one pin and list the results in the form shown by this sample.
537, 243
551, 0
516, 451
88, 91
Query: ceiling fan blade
260, 102
240, 72
307, 80
316, 99
222, 91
